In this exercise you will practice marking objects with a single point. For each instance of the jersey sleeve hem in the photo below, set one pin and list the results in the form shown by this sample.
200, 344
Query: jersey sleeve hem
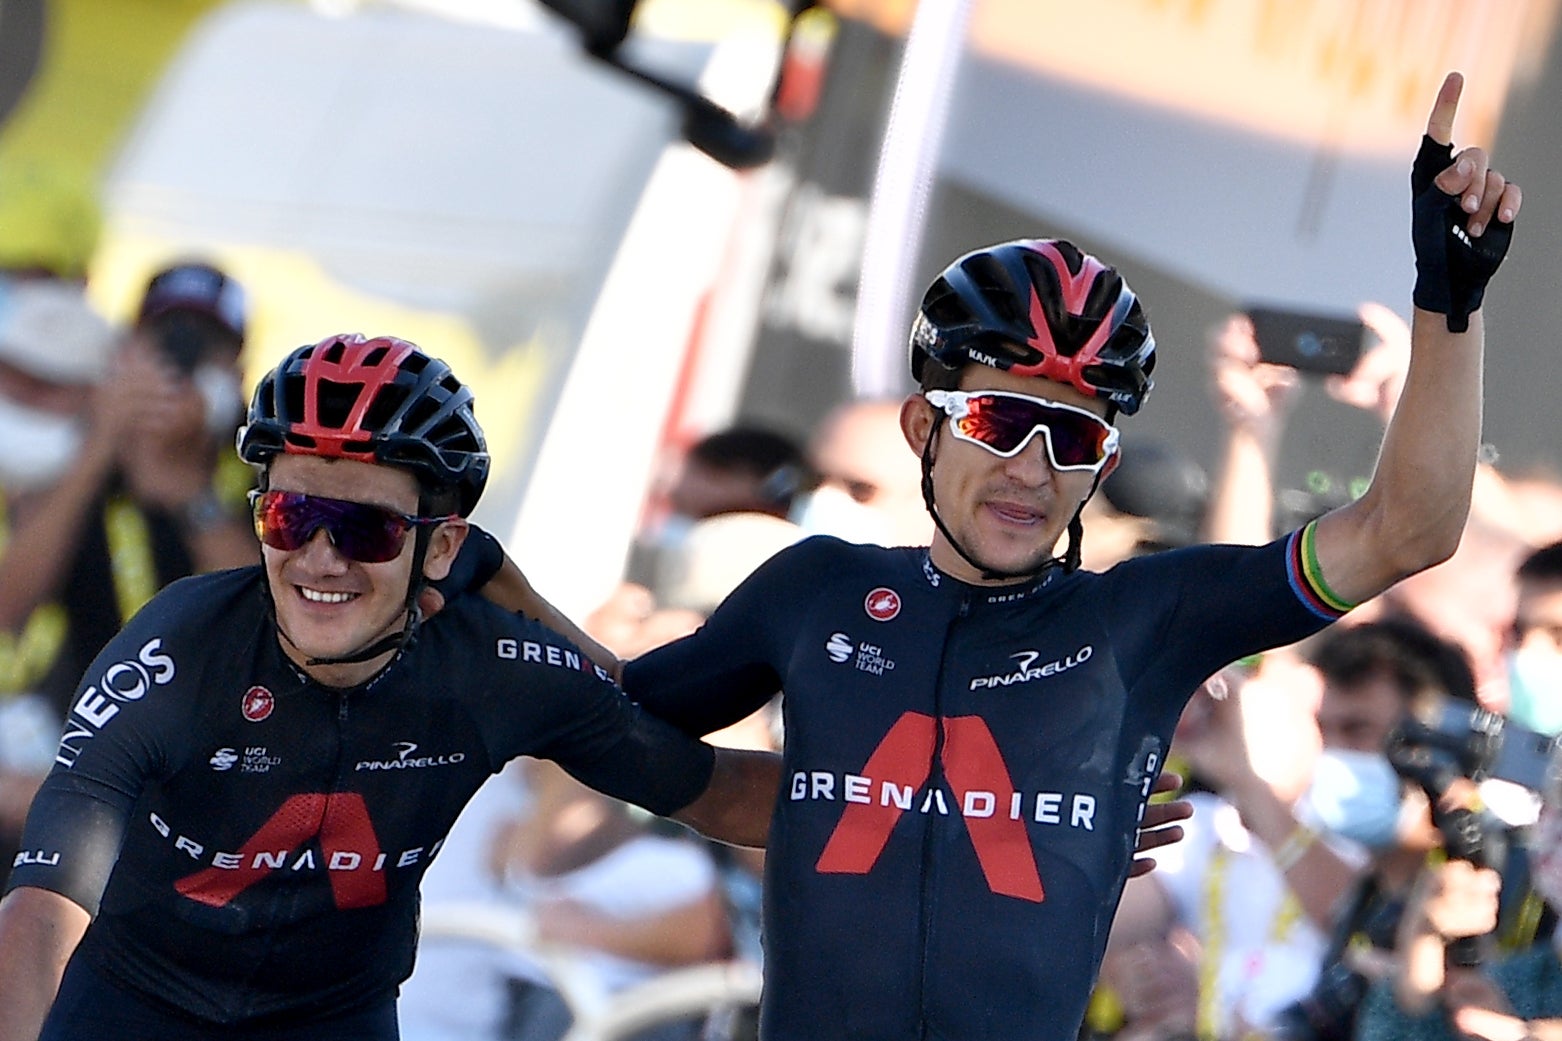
1306, 576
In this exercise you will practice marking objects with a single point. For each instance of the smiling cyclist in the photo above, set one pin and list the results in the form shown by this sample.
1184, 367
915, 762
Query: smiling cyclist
258, 770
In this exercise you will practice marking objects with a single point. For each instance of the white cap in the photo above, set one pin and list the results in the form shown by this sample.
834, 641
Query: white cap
719, 553
49, 331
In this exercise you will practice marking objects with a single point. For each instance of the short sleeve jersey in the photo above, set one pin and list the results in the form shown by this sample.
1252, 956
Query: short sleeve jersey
965, 767
251, 842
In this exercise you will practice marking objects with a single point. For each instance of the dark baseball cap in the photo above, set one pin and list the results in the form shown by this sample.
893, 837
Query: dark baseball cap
197, 287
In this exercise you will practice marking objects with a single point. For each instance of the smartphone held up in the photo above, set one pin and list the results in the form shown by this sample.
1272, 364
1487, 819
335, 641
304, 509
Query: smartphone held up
1318, 342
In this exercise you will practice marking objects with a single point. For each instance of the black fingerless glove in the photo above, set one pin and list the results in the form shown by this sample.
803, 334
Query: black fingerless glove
480, 559
1452, 268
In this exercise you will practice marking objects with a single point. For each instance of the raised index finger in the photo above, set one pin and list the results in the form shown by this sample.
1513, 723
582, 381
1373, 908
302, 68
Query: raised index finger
1440, 124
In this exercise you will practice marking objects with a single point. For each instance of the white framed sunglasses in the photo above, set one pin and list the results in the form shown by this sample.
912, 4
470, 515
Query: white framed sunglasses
1004, 422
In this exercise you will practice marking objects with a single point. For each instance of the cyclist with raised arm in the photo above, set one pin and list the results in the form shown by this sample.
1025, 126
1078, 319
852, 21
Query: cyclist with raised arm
972, 728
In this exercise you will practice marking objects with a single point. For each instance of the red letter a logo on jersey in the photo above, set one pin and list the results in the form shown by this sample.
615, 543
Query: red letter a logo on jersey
349, 851
973, 764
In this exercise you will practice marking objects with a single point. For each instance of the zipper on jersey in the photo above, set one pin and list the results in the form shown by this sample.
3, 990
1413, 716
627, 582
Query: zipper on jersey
936, 783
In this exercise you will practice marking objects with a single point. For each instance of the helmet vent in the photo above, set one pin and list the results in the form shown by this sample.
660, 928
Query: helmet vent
293, 395
421, 417
943, 306
997, 289
382, 410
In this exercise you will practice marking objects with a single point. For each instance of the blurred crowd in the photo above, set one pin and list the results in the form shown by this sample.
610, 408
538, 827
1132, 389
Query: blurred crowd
1376, 834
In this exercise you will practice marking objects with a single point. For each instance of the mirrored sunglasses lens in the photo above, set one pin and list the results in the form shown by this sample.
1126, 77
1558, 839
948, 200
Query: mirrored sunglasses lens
994, 423
1004, 423
369, 534
361, 532
1076, 441
277, 521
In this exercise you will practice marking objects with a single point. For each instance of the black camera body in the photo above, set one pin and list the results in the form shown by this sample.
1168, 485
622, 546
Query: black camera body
1328, 1012
1447, 741
1478, 743
187, 338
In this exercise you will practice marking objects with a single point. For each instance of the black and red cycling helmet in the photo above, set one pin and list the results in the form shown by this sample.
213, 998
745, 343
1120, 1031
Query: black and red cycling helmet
379, 400
1039, 307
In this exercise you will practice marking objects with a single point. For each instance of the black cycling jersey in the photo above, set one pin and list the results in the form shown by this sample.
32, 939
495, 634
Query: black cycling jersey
965, 767
256, 839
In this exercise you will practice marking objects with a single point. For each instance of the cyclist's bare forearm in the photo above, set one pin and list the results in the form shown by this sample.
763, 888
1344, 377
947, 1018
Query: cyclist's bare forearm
39, 930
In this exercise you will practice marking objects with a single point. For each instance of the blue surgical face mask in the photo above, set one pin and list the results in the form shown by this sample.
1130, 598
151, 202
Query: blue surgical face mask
1355, 795
36, 447
1535, 690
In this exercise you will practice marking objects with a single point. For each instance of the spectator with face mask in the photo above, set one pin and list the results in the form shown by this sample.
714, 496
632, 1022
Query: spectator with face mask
121, 475
741, 469
1534, 656
1258, 912
1273, 924
1516, 997
866, 488
53, 351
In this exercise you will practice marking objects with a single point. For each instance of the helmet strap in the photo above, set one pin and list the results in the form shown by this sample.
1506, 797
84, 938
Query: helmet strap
392, 642
988, 573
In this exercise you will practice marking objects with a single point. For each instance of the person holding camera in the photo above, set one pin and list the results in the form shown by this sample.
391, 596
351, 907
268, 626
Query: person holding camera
1256, 881
118, 485
1374, 790
1430, 997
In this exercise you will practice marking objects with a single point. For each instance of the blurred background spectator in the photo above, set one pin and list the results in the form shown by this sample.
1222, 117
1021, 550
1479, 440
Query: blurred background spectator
1155, 499
54, 349
867, 484
1534, 644
737, 470
123, 480
1255, 881
741, 468
626, 900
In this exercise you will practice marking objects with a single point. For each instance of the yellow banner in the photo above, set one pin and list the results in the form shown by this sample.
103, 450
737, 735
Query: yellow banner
97, 61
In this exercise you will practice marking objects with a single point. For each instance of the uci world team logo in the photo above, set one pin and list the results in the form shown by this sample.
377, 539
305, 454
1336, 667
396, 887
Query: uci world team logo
882, 604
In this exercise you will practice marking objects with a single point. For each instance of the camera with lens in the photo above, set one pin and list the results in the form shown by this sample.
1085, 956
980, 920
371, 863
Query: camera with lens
1448, 740
185, 339
1441, 742
1455, 739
